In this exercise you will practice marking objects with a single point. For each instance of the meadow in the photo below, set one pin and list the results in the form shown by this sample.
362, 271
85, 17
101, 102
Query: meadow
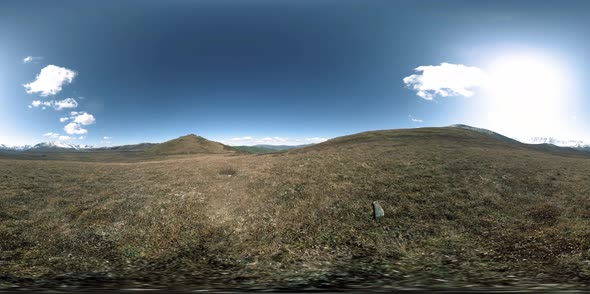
462, 209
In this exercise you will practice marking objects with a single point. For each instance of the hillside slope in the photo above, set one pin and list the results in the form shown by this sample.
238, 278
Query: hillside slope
455, 136
129, 148
461, 209
190, 144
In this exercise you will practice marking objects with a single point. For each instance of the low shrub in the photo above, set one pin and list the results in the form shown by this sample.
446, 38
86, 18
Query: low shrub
228, 171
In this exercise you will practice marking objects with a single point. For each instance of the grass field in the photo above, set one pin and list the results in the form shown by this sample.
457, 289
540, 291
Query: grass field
461, 210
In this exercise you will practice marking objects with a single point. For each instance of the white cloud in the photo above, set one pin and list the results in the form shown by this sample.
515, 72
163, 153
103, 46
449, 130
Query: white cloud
79, 119
84, 119
75, 129
274, 139
66, 103
56, 104
416, 120
30, 59
58, 136
81, 138
316, 139
50, 80
51, 135
106, 138
249, 141
445, 80
238, 138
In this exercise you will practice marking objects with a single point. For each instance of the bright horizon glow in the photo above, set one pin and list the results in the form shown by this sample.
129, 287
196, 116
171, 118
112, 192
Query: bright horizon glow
527, 95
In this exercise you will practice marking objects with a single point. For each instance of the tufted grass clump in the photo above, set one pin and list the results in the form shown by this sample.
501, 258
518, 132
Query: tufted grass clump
228, 171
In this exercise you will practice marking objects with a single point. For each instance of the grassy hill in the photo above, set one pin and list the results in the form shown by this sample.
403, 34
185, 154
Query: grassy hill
189, 144
461, 209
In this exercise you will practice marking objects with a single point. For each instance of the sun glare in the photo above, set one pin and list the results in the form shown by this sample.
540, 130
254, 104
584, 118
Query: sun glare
526, 94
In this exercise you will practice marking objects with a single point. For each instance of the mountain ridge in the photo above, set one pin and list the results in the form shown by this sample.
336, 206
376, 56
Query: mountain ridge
200, 144
576, 144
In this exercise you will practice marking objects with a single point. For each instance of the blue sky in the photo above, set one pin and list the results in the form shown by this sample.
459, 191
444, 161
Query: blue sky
246, 72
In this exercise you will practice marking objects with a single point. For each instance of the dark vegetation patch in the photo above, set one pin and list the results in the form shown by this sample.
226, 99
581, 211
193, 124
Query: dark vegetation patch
228, 171
545, 213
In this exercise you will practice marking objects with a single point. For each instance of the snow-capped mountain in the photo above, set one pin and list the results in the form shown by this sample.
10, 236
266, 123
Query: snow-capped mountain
15, 148
46, 146
576, 144
59, 145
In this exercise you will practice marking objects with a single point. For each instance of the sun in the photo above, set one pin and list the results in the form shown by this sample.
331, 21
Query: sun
526, 94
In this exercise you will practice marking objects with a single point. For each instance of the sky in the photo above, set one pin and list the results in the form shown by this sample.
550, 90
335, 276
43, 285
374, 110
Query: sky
289, 72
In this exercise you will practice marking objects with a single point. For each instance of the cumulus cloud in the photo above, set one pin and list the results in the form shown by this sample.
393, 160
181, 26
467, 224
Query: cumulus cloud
56, 104
58, 136
416, 120
106, 138
84, 119
445, 80
75, 129
79, 119
31, 59
50, 80
63, 119
250, 141
66, 103
51, 135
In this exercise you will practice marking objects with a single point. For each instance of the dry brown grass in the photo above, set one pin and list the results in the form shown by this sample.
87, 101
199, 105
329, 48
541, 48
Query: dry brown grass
461, 209
189, 144
228, 171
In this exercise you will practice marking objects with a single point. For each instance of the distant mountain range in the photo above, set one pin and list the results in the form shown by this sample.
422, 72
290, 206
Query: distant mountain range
195, 144
15, 148
268, 148
46, 146
574, 144
182, 145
